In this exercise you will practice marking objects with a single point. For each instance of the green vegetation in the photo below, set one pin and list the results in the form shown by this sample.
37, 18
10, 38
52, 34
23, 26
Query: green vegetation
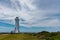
17, 37
44, 35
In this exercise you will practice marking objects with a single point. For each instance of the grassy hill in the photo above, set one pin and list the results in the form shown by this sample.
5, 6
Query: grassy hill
31, 36
17, 37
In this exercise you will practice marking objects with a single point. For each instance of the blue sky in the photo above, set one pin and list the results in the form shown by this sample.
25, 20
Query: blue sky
36, 15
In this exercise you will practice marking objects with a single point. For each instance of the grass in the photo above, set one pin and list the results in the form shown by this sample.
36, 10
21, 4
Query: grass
31, 36
17, 37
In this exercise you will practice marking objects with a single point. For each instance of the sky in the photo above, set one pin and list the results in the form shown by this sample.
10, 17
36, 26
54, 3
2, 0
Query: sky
34, 15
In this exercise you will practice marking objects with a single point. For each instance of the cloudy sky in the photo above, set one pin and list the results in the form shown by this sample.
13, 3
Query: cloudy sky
35, 15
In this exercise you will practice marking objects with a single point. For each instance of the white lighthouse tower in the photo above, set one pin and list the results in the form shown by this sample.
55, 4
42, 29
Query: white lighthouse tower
16, 25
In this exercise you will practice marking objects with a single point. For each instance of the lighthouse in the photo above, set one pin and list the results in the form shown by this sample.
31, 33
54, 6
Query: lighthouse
16, 25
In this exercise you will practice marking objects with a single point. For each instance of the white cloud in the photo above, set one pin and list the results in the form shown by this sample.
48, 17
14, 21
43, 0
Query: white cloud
30, 13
